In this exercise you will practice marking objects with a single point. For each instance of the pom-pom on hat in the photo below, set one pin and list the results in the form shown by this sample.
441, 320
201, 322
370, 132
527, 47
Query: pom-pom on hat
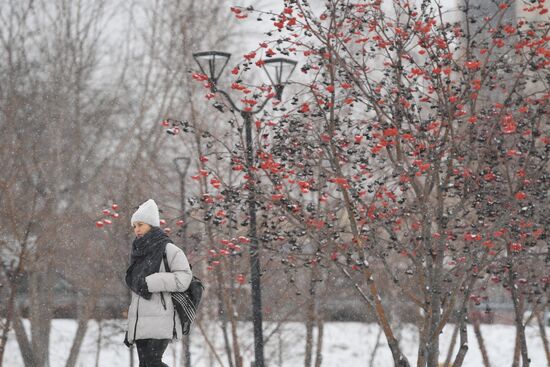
148, 213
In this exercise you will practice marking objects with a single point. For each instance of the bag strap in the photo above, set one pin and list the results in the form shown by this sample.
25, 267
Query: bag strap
165, 259
167, 268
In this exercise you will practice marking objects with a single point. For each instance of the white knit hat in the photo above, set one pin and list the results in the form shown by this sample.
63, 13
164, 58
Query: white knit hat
148, 213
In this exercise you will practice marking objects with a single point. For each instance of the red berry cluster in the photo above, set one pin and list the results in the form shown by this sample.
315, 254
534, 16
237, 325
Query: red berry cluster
108, 213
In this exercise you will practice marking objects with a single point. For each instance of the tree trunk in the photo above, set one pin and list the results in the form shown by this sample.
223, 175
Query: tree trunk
518, 313
309, 339
186, 350
86, 307
209, 343
223, 315
480, 341
542, 329
451, 346
319, 349
422, 340
375, 349
433, 341
399, 359
517, 355
435, 264
376, 306
98, 344
41, 313
228, 306
310, 319
23, 341
77, 341
463, 341
9, 314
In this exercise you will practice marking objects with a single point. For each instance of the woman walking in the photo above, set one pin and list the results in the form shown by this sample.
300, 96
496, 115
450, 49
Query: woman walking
152, 320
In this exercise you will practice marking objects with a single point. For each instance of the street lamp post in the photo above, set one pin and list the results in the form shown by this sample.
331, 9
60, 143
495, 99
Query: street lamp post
182, 165
278, 71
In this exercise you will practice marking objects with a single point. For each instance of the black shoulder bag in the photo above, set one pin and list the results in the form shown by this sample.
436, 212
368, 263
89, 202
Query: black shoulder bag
186, 303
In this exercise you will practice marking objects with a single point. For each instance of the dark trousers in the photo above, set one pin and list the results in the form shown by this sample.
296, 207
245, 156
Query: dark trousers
150, 352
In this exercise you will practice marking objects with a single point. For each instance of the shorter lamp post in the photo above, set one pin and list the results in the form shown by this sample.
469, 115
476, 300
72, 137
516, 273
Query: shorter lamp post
278, 71
182, 165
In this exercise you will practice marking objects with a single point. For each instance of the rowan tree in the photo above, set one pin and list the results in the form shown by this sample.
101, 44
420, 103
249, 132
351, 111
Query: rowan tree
415, 150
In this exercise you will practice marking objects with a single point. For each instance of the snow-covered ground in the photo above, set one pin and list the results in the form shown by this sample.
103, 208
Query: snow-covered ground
345, 344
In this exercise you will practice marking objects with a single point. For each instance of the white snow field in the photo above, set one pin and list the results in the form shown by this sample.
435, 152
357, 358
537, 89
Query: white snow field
346, 344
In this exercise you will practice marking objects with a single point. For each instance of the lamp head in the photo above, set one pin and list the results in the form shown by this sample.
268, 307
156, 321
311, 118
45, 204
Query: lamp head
278, 71
212, 63
182, 164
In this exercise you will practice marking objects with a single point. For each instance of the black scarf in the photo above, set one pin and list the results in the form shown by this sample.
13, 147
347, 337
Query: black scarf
147, 252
